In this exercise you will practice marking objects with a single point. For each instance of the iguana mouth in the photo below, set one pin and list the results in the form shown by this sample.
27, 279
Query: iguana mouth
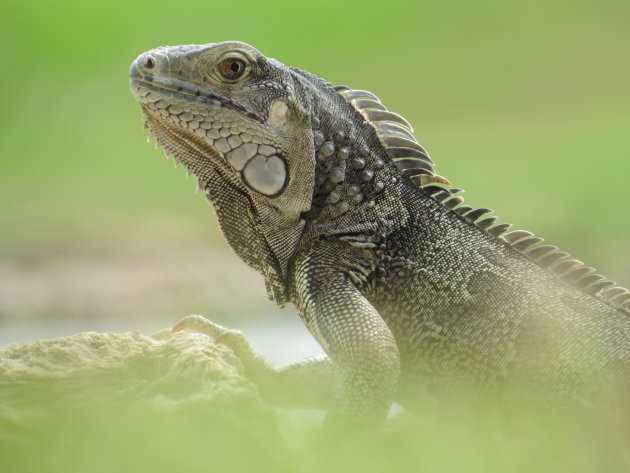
179, 91
182, 90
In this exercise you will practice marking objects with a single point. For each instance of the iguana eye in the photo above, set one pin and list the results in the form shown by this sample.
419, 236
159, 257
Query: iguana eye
232, 68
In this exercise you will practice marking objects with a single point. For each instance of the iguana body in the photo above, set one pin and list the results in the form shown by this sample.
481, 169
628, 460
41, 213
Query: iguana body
329, 196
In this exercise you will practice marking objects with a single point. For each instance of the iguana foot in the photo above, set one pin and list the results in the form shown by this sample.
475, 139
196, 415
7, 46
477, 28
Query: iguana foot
254, 364
163, 334
198, 323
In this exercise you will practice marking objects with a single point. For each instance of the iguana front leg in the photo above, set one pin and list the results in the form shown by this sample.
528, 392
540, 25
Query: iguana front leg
359, 380
357, 384
352, 333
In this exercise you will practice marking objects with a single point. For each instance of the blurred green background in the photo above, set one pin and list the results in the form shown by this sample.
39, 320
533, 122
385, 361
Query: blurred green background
526, 105
523, 104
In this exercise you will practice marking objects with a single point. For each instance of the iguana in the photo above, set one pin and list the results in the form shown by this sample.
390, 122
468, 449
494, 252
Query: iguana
330, 197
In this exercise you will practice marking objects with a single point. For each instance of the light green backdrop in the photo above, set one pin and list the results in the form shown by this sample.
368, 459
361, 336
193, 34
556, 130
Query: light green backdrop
526, 105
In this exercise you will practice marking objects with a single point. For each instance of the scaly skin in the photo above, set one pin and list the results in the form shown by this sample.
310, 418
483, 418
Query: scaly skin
403, 293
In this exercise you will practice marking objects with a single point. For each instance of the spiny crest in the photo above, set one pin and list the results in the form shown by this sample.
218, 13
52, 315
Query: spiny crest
396, 135
546, 256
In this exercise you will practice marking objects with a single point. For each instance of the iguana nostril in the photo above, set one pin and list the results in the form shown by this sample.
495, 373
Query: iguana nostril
149, 63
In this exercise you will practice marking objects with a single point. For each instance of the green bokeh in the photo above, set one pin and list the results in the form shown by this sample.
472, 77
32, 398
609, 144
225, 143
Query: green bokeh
526, 105
523, 104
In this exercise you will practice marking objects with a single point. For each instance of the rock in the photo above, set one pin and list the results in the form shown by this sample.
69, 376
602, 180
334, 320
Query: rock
126, 370
127, 402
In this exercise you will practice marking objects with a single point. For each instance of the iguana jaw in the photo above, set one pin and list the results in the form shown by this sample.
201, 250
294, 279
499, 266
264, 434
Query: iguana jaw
180, 143
182, 90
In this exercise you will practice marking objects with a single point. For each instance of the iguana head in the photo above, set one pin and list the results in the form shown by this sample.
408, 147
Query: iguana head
225, 109
275, 147
225, 102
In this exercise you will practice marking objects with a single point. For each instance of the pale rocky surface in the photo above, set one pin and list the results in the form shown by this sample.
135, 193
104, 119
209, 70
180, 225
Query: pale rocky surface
184, 371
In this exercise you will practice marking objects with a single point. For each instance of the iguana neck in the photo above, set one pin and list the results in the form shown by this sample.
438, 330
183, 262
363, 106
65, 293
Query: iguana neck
355, 182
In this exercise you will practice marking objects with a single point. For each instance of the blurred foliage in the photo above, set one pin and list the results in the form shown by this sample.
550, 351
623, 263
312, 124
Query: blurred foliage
472, 439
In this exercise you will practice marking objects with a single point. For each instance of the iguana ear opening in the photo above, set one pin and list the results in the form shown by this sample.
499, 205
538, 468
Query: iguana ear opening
279, 114
285, 181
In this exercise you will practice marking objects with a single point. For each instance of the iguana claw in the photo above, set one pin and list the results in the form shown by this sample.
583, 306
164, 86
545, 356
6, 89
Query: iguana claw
253, 363
198, 323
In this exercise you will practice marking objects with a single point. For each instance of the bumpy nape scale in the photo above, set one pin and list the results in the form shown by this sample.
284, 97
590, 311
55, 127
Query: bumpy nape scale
330, 197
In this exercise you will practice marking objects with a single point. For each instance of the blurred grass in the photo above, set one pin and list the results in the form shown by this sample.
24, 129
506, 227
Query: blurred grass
473, 440
525, 105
